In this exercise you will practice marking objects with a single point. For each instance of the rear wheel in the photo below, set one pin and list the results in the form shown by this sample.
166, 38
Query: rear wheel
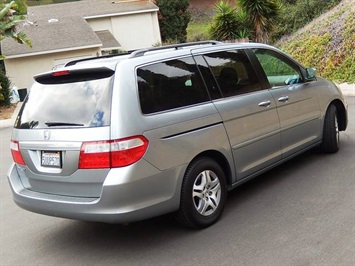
203, 194
330, 143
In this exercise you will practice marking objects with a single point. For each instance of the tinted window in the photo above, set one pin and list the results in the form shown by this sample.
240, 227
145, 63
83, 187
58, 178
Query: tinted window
210, 81
171, 84
279, 70
82, 104
233, 72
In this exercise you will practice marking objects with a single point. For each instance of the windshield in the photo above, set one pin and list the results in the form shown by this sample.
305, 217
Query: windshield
77, 104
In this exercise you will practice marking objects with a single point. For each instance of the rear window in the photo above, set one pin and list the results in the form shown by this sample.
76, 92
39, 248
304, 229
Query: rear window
76, 104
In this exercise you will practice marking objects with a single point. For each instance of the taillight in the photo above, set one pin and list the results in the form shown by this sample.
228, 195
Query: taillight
112, 153
16, 153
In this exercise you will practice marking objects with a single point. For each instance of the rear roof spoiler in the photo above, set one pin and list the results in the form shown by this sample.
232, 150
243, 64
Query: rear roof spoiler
73, 75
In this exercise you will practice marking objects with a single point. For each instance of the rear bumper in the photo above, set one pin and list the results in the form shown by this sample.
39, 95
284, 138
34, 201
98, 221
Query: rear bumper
123, 199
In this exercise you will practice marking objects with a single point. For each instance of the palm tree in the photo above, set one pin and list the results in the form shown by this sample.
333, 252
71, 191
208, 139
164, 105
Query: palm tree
262, 14
11, 15
229, 23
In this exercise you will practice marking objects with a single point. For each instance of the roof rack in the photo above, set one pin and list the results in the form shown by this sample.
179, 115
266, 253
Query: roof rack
141, 52
74, 62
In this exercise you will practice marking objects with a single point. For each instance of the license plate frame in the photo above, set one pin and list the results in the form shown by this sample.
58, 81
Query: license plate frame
51, 159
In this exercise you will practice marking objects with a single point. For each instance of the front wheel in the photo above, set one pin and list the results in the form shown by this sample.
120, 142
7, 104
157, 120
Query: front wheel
330, 143
203, 194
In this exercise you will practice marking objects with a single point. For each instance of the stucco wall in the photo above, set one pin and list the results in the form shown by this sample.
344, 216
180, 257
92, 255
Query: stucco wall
132, 31
98, 24
136, 31
21, 70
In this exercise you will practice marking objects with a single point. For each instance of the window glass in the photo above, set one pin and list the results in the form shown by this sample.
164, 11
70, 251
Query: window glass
209, 79
171, 84
75, 104
233, 72
278, 69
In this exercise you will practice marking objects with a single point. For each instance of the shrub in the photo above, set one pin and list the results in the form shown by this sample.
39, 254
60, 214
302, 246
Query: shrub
296, 14
330, 49
173, 19
229, 23
4, 90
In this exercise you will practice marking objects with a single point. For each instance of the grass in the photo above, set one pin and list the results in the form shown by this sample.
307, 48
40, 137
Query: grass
197, 31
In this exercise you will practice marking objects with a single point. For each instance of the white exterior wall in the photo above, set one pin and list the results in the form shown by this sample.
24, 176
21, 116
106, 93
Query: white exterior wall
136, 31
132, 31
21, 70
99, 24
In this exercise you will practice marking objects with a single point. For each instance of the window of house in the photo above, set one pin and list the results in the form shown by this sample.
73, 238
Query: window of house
169, 85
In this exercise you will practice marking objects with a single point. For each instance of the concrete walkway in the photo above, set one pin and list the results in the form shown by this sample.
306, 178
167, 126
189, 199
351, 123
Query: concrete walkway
347, 89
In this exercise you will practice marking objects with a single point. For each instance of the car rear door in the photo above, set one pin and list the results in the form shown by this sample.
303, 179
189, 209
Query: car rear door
248, 112
296, 100
63, 110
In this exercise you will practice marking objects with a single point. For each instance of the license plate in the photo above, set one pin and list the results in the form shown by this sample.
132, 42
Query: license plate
51, 159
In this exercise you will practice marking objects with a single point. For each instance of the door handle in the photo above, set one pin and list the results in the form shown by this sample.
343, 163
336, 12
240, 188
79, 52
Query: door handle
265, 104
283, 99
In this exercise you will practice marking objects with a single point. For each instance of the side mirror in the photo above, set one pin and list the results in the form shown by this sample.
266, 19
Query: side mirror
310, 74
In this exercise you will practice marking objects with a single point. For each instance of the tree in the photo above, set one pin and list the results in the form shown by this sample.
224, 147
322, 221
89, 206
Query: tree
173, 19
11, 15
229, 23
263, 15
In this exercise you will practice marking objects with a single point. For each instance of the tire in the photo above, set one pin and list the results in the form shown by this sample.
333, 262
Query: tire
203, 194
330, 143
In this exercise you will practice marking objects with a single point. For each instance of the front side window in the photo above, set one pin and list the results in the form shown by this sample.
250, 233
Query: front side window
169, 85
233, 72
278, 69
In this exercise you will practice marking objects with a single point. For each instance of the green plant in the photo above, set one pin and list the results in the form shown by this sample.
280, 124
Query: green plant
297, 13
173, 19
5, 85
225, 24
330, 50
262, 14
197, 31
229, 23
11, 15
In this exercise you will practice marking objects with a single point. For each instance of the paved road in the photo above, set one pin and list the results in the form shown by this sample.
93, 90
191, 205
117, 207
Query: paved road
301, 213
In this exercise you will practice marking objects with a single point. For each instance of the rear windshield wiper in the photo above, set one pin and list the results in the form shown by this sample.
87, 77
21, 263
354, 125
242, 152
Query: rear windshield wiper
62, 124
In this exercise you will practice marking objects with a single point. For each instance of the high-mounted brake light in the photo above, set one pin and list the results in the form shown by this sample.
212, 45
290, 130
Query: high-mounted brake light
16, 153
113, 153
60, 73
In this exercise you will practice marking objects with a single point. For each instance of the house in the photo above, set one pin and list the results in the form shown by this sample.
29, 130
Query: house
68, 31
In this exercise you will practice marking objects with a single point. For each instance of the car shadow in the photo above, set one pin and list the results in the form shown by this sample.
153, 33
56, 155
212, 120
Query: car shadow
158, 232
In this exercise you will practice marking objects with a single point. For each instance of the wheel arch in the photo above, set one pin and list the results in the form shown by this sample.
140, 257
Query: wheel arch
221, 160
342, 115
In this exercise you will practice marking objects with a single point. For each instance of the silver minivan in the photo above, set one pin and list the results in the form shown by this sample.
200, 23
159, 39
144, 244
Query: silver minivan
171, 129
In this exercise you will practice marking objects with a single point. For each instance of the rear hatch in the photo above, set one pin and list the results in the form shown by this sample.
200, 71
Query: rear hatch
64, 110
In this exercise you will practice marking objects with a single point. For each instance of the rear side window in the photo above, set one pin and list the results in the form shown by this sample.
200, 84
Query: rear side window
233, 72
169, 85
75, 104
